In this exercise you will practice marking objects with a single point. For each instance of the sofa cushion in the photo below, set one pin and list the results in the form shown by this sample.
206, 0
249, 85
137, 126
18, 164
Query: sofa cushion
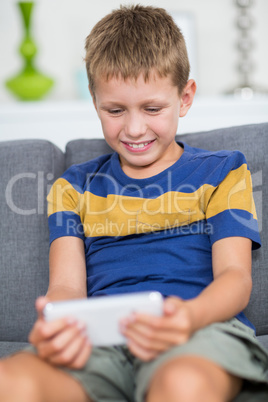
28, 168
252, 140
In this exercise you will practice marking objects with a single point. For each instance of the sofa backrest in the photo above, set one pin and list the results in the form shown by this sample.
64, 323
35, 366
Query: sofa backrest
28, 168
252, 140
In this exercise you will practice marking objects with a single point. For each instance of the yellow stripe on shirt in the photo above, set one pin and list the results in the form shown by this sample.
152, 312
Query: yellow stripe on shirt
235, 192
120, 215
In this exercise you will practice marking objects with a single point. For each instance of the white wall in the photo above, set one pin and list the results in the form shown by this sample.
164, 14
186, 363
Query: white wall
60, 28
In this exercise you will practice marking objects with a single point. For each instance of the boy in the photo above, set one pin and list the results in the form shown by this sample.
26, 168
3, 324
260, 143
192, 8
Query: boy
155, 215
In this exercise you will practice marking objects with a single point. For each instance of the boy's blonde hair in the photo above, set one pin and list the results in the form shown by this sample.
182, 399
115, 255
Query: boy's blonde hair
133, 40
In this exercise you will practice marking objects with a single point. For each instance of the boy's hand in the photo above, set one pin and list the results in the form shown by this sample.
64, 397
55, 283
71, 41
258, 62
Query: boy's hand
61, 342
148, 335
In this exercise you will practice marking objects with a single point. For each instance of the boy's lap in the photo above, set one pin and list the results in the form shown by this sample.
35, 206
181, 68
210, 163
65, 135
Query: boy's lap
114, 374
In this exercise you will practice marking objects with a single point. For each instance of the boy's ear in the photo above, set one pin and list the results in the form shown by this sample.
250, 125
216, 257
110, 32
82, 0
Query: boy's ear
187, 97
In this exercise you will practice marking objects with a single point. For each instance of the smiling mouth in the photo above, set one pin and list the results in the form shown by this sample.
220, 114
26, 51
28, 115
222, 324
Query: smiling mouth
138, 146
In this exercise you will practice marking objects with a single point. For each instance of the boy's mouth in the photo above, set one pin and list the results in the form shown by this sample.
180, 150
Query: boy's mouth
138, 146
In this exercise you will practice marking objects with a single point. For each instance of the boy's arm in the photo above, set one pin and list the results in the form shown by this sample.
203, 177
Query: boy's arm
230, 291
67, 269
63, 342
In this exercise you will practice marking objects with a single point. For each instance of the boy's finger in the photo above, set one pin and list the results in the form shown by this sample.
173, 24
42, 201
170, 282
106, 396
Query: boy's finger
146, 319
83, 357
160, 339
147, 339
45, 330
142, 318
140, 352
71, 352
178, 323
60, 342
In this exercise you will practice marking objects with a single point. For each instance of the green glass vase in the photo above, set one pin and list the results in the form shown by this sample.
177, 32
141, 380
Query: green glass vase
29, 84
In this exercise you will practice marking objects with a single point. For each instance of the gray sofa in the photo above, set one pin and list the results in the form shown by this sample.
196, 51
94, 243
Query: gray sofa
28, 169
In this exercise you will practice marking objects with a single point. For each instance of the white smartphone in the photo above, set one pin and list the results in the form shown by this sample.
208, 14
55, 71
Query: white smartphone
102, 314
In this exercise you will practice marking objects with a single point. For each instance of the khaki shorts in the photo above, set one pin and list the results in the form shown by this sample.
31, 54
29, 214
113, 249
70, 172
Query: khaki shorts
113, 374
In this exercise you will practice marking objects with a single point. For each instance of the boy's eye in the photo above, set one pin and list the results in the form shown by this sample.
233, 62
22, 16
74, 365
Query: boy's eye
115, 111
153, 109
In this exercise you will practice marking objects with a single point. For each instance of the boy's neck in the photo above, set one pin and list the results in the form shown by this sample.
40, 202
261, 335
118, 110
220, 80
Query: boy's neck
144, 172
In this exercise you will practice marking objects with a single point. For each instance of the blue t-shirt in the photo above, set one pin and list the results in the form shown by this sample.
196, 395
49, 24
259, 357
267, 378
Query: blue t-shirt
155, 233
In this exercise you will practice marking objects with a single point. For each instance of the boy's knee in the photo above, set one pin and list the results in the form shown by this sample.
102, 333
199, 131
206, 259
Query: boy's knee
16, 385
183, 381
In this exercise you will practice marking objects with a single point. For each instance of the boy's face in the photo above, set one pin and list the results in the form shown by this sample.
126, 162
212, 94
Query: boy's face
139, 121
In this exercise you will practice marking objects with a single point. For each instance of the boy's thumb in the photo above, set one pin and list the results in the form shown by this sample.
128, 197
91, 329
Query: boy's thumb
40, 304
169, 307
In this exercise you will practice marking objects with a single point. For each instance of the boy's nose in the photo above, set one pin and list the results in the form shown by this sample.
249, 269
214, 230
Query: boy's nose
135, 126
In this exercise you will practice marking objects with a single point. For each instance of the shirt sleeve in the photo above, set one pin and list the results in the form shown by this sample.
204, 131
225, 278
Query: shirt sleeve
64, 211
231, 209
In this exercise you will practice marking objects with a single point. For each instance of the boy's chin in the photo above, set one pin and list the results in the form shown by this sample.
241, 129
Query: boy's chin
136, 163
